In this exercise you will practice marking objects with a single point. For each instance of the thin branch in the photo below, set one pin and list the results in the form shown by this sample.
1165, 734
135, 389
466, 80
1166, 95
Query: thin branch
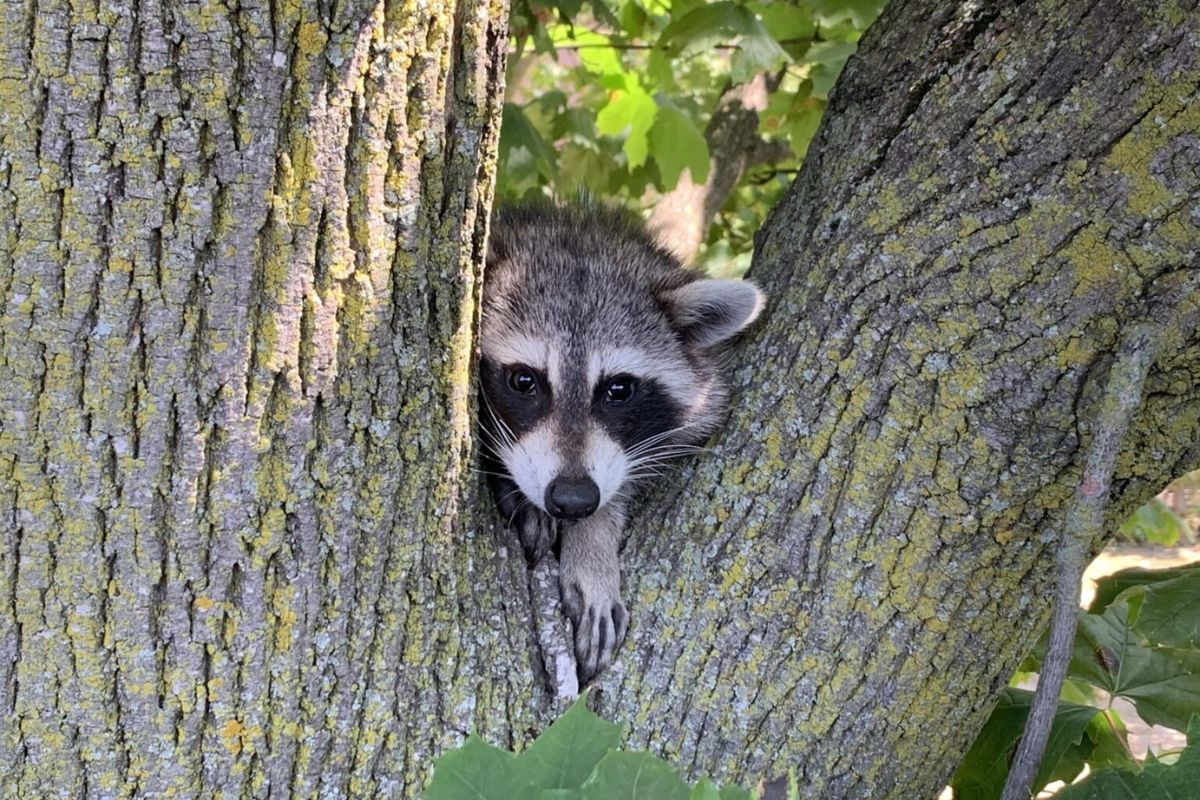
1122, 398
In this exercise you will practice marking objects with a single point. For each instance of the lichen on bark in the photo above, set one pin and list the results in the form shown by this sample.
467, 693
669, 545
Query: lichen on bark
239, 264
998, 194
241, 548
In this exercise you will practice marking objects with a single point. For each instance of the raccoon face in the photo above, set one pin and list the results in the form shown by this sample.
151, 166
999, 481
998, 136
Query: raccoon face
588, 391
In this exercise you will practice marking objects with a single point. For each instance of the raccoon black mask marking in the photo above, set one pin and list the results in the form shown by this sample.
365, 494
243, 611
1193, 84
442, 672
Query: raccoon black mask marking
599, 362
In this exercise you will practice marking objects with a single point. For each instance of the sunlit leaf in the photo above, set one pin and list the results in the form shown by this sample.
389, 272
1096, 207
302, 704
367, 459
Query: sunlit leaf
1162, 682
677, 144
1156, 781
1156, 522
981, 774
634, 776
476, 771
631, 112
565, 753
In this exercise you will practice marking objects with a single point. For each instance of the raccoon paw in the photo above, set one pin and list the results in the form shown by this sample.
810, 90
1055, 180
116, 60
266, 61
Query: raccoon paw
600, 620
537, 533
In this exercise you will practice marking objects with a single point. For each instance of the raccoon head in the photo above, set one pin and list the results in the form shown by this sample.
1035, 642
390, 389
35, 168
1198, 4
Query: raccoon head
599, 354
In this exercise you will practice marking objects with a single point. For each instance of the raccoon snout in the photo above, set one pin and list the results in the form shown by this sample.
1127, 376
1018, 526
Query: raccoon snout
572, 498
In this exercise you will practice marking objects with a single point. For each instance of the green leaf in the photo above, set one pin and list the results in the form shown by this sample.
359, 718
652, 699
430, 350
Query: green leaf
634, 19
565, 753
1156, 781
705, 790
568, 9
676, 144
757, 49
1156, 522
981, 774
785, 21
596, 53
476, 771
827, 59
725, 23
634, 776
604, 14
859, 13
518, 133
701, 28
1111, 739
1170, 612
802, 129
579, 122
1162, 682
632, 112
735, 793
1110, 586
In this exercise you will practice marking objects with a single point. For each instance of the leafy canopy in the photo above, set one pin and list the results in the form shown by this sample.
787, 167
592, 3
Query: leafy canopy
614, 97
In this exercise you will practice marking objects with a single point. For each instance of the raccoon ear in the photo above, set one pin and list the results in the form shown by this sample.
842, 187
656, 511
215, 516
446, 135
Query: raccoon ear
709, 311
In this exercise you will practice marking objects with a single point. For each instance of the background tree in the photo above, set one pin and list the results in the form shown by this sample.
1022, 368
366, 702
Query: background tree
243, 548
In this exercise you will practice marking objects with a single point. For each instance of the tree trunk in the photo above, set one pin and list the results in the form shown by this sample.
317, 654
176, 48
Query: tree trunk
1000, 195
243, 553
238, 261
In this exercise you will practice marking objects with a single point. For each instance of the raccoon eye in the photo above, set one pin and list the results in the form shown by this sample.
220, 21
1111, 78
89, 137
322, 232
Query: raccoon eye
620, 389
522, 381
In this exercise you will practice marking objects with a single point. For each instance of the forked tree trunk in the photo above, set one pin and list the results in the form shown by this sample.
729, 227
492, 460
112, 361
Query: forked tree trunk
243, 552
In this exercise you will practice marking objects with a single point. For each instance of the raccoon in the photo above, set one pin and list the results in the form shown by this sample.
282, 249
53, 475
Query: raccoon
599, 360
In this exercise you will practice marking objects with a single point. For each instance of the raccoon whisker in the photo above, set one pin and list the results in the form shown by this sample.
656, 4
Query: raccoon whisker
488, 440
495, 445
671, 449
479, 471
663, 455
651, 441
506, 432
524, 502
643, 475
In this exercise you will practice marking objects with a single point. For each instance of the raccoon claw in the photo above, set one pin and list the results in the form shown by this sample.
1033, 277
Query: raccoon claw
600, 623
536, 532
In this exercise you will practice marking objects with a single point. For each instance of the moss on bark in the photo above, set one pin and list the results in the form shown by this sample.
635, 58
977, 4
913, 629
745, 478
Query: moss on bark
241, 550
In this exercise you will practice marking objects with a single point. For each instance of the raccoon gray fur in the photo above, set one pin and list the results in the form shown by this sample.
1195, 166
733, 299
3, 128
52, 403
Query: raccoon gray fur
600, 359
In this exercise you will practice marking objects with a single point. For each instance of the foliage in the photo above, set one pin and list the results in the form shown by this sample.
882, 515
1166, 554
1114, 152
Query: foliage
1155, 522
1080, 734
576, 758
1140, 640
614, 98
1157, 781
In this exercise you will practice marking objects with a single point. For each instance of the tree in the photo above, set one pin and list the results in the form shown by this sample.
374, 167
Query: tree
244, 548
238, 252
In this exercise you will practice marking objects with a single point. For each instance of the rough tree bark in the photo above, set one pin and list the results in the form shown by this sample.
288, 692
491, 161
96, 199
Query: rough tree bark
999, 196
238, 261
242, 550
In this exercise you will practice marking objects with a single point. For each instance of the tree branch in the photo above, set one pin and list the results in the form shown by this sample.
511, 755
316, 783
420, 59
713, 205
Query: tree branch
1083, 525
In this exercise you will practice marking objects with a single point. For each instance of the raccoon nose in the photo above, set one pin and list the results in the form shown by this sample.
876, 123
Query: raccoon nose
572, 498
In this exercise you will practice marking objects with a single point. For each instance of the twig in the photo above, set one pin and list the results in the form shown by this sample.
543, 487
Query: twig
1122, 397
